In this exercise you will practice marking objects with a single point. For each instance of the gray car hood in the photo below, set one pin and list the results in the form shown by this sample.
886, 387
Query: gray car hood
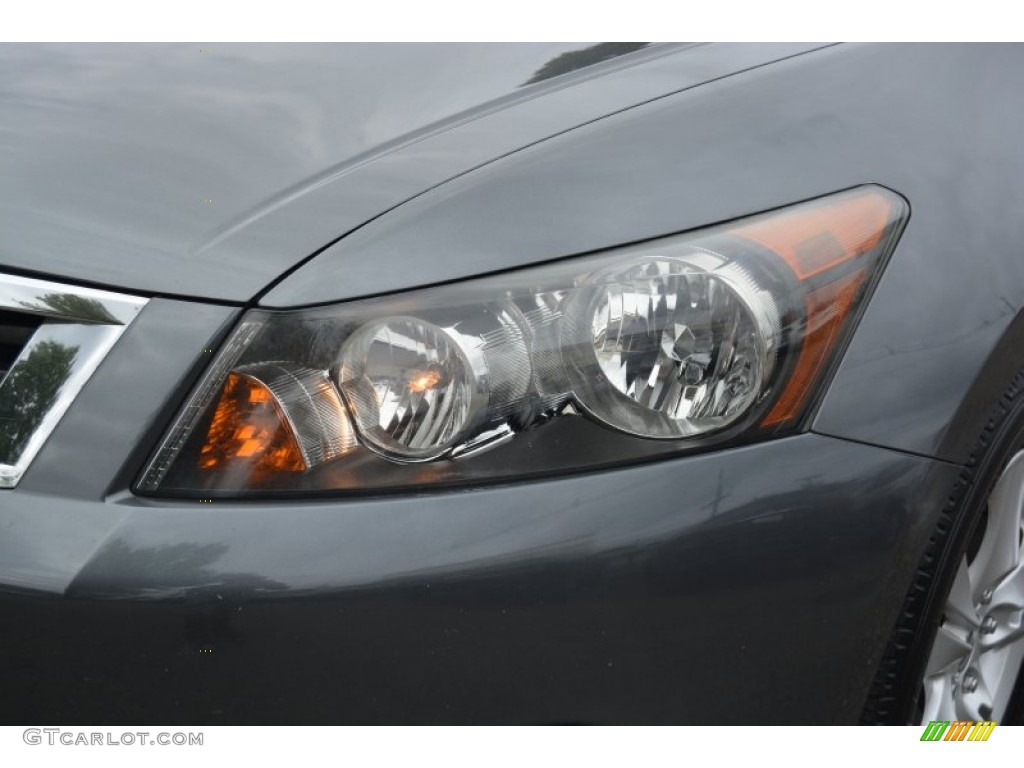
209, 172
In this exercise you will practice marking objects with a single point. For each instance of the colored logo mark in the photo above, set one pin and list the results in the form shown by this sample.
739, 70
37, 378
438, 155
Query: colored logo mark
959, 730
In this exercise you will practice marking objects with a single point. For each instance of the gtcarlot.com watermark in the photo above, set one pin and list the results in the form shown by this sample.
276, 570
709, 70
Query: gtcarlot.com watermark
55, 736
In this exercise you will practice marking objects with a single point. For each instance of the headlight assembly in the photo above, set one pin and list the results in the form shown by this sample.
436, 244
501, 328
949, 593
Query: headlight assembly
716, 336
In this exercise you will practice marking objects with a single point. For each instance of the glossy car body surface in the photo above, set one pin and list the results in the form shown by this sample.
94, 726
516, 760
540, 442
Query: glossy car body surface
748, 584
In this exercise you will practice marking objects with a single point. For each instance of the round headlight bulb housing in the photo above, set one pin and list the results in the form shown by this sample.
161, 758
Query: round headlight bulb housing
418, 390
412, 390
670, 347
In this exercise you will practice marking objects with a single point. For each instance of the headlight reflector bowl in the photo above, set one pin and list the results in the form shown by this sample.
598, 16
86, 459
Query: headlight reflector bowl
675, 350
411, 388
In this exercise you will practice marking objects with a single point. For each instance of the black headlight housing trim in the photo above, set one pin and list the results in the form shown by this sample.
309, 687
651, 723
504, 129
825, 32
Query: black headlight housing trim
561, 435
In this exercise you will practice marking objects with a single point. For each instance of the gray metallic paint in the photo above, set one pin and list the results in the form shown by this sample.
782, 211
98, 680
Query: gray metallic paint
110, 150
576, 599
780, 566
113, 148
927, 121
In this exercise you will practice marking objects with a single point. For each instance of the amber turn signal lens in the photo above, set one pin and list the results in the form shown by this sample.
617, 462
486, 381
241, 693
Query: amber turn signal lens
249, 431
820, 236
823, 244
827, 310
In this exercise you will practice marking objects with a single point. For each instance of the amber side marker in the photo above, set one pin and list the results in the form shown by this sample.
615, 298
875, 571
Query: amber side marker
830, 245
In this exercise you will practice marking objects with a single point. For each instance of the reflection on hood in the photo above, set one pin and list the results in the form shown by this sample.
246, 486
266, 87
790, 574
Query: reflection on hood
584, 57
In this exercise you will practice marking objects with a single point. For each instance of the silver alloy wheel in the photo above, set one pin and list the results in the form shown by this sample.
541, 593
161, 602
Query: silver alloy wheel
978, 649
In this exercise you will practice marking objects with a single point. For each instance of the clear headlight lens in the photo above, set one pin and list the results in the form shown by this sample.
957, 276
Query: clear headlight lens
671, 345
410, 385
677, 347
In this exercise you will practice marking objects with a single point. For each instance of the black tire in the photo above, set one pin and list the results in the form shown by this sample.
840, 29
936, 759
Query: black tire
894, 697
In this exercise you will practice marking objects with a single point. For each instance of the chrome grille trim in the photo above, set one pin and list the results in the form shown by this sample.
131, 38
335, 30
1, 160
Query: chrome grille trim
80, 326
